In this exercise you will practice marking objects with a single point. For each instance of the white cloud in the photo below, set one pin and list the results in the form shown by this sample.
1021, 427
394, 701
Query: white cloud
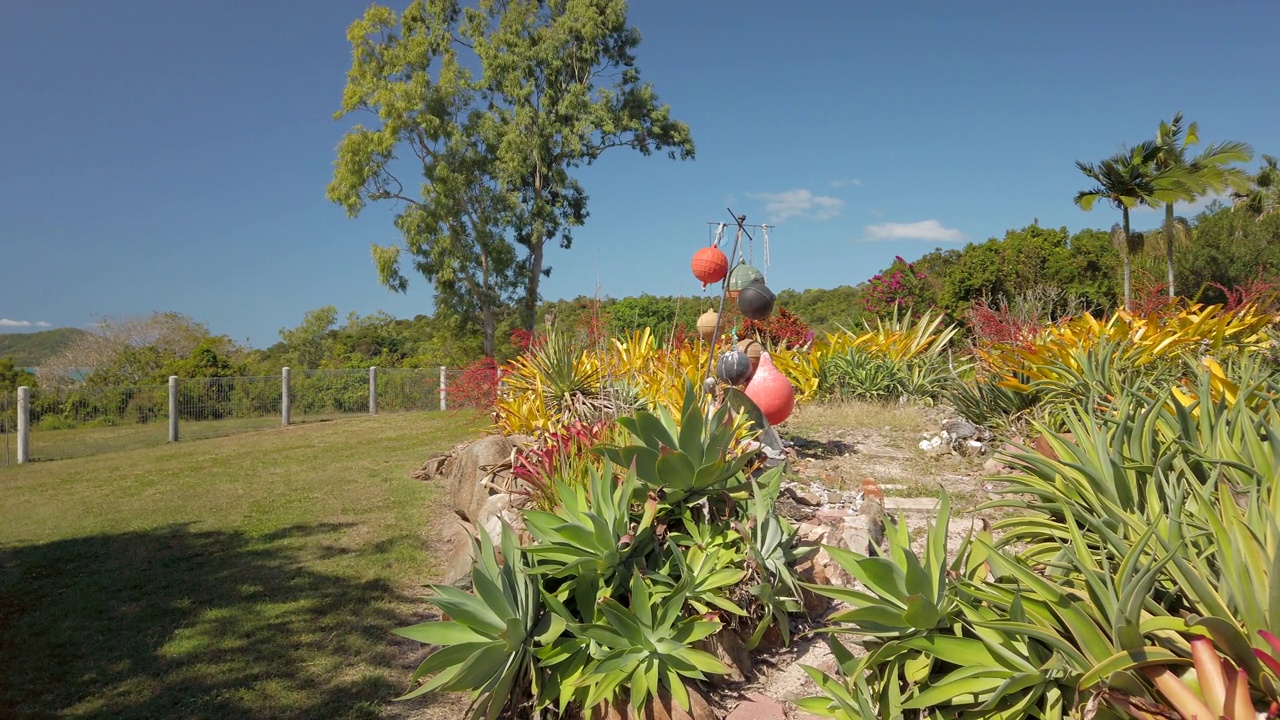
1185, 209
845, 183
927, 230
800, 203
7, 323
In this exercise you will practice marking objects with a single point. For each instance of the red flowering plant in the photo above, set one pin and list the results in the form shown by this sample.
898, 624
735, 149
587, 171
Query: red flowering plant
781, 329
554, 457
476, 386
1261, 292
997, 323
900, 286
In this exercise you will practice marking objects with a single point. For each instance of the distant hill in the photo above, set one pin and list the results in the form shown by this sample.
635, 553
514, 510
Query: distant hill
32, 349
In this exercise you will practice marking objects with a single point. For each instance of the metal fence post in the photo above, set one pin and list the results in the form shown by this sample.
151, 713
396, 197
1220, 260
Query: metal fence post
284, 396
444, 391
173, 408
24, 424
373, 391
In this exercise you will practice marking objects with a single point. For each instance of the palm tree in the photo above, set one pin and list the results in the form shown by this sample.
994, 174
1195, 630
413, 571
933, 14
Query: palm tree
1263, 195
1205, 173
1126, 180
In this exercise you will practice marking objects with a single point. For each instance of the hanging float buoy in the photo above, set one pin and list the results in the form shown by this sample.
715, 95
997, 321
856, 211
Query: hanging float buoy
742, 276
756, 300
771, 391
733, 367
707, 325
752, 349
709, 265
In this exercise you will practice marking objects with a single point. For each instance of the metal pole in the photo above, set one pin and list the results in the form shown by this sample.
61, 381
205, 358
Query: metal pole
444, 392
24, 424
284, 396
373, 391
173, 408
724, 287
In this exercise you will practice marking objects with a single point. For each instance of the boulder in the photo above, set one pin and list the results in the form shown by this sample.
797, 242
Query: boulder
475, 471
458, 550
960, 429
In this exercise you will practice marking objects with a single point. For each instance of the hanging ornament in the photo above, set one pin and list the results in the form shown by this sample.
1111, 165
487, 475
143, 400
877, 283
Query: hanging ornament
771, 391
742, 276
756, 300
733, 367
752, 349
707, 325
709, 265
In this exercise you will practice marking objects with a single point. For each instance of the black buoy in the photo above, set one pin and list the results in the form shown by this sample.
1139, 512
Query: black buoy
756, 300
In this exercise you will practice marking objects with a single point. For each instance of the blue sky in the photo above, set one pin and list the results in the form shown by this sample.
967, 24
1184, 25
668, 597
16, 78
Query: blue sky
173, 156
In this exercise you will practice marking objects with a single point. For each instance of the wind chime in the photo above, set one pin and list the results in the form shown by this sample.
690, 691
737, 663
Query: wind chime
745, 364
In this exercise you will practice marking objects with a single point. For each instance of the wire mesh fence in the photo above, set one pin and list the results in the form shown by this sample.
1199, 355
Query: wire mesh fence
406, 389
213, 407
85, 420
322, 394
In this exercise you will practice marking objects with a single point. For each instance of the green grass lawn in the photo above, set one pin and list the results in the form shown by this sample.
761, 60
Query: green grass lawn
253, 576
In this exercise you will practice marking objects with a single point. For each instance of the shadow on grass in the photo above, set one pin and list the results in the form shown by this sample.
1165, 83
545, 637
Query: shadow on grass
174, 623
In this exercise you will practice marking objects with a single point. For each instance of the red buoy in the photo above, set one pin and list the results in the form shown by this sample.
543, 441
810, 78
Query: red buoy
709, 265
771, 391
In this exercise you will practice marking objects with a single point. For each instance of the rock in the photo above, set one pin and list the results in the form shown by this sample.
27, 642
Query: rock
994, 467
856, 537
825, 571
457, 547
758, 707
431, 468
936, 445
730, 650
960, 429
810, 499
910, 505
772, 447
472, 469
830, 513
814, 533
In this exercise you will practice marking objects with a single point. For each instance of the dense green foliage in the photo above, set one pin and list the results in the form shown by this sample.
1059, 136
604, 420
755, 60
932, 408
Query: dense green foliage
499, 104
32, 349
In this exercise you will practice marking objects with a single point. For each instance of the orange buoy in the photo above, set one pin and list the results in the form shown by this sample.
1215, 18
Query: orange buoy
771, 391
709, 265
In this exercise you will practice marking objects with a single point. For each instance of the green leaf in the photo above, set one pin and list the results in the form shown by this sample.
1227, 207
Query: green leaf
1128, 660
441, 632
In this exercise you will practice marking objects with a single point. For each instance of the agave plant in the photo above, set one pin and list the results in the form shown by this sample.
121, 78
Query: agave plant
683, 461
944, 637
589, 546
772, 553
486, 646
630, 650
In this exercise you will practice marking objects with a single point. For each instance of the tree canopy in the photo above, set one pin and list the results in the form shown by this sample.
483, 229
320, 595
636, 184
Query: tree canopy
494, 106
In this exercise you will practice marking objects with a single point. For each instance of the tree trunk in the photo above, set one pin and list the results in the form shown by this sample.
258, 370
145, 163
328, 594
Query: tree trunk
536, 241
1128, 265
489, 330
1168, 243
